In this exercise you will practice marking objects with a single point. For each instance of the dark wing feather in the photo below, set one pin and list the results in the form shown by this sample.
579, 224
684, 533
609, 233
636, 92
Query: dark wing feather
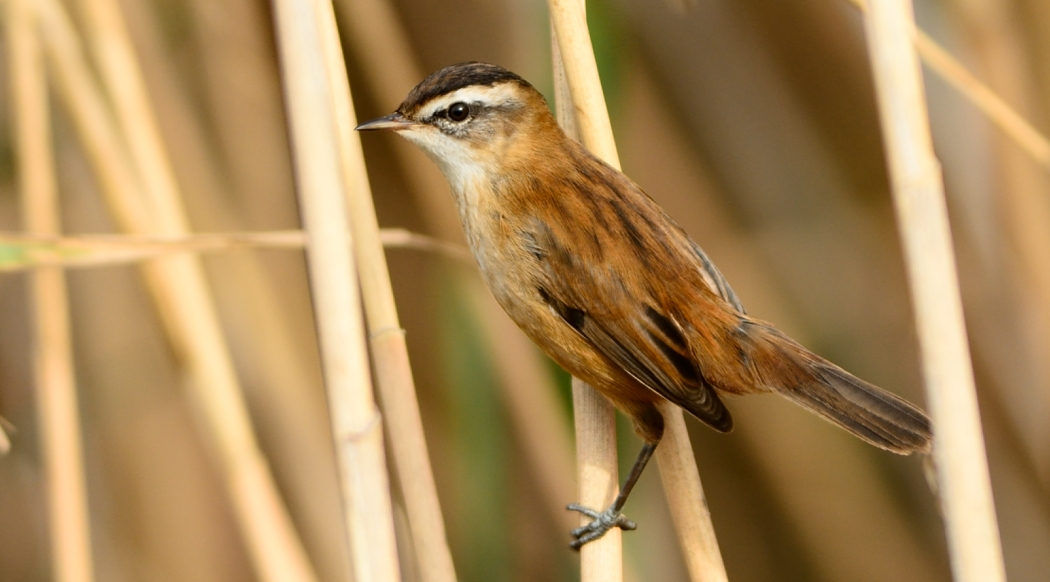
602, 292
716, 281
676, 377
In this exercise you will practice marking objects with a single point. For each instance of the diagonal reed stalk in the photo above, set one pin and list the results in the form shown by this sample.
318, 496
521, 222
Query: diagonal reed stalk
382, 47
177, 284
980, 95
577, 71
389, 351
987, 101
52, 349
685, 497
302, 35
959, 456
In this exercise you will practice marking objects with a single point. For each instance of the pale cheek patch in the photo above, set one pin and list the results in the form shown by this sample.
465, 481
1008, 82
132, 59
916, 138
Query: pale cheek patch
457, 159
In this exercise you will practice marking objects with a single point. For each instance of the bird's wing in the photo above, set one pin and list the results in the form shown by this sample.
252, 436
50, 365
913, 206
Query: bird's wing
714, 279
600, 287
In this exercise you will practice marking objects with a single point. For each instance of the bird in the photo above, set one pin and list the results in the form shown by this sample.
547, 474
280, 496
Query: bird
609, 285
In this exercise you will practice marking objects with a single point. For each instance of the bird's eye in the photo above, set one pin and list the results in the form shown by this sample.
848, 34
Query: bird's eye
458, 111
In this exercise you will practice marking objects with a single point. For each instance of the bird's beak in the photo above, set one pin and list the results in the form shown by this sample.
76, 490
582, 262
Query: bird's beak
394, 121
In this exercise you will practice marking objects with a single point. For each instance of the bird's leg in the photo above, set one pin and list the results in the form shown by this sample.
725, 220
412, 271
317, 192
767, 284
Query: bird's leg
604, 521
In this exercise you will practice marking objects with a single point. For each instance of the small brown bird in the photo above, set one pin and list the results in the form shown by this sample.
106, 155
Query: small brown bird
607, 284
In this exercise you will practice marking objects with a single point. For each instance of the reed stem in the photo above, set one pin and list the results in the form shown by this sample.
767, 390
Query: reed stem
52, 347
389, 351
383, 50
356, 422
576, 70
177, 284
918, 193
597, 467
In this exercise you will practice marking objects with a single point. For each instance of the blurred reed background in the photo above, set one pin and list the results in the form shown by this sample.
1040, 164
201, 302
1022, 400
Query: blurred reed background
752, 122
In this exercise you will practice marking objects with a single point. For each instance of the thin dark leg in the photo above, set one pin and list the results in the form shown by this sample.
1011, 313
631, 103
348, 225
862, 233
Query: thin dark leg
636, 472
606, 520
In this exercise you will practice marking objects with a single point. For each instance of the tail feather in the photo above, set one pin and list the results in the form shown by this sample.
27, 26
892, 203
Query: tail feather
869, 412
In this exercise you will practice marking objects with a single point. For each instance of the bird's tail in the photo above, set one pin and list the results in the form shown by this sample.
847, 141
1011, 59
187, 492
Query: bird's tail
869, 412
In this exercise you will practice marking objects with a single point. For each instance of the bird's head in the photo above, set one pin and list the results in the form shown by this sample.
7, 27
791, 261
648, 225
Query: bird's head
467, 117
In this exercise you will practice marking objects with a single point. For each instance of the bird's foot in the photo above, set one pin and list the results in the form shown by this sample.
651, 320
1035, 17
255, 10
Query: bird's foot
601, 523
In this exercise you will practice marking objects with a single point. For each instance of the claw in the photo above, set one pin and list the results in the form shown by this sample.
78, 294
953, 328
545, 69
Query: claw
600, 524
584, 510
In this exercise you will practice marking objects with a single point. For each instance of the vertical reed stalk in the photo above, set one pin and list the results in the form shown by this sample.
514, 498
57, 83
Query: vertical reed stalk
5, 441
569, 19
59, 418
356, 422
389, 350
958, 448
681, 478
177, 284
596, 463
381, 46
980, 95
597, 471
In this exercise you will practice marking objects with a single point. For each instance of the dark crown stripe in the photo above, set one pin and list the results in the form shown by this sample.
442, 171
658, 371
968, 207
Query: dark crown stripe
456, 77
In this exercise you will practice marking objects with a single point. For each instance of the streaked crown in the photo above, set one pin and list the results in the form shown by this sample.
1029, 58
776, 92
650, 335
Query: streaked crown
450, 80
468, 92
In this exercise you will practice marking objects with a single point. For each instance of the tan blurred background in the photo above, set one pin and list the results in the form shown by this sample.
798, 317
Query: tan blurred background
752, 122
